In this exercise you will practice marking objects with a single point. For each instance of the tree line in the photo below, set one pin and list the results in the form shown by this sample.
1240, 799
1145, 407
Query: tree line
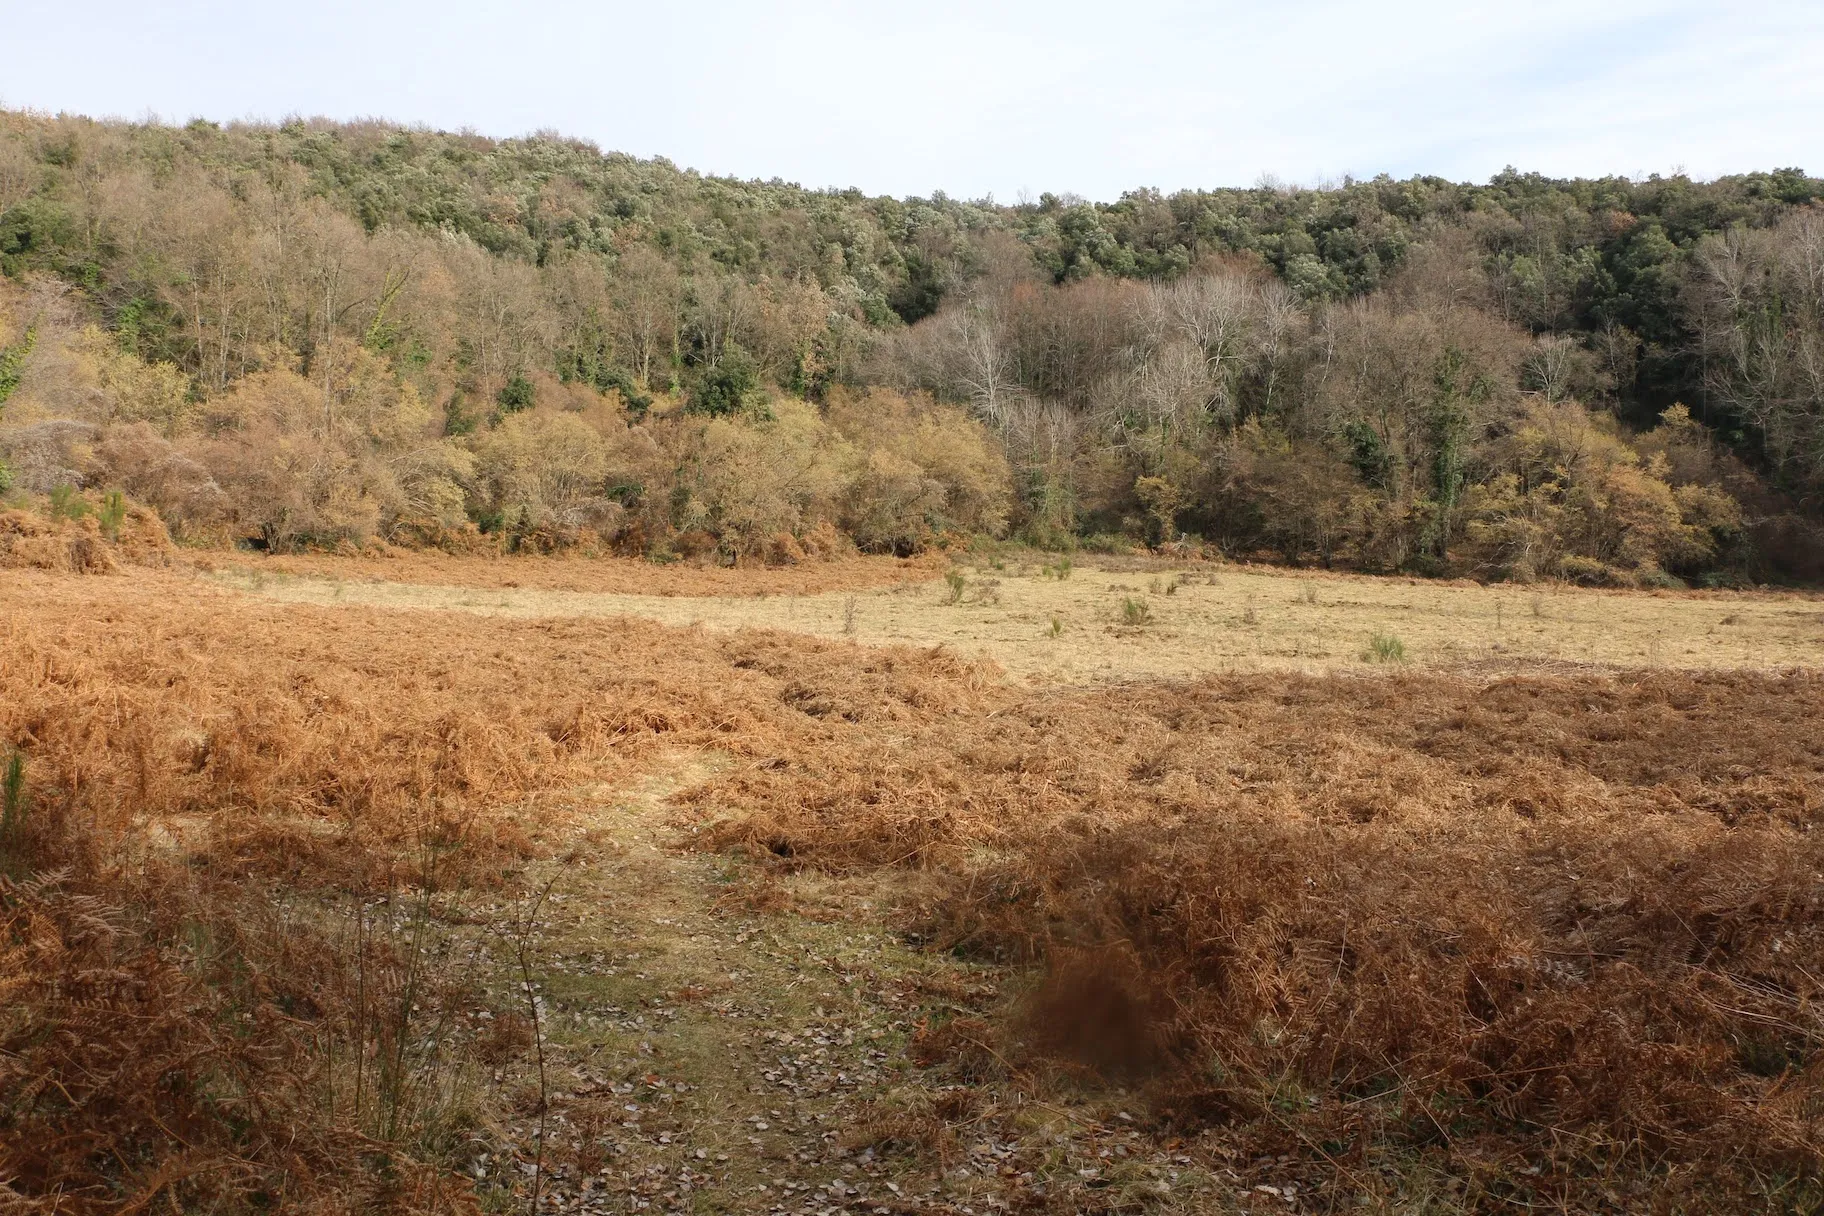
318, 333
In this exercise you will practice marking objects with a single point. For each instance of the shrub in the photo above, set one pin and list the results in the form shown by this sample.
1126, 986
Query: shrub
1385, 648
113, 513
302, 464
746, 479
128, 389
66, 503
153, 470
1135, 612
516, 394
921, 469
544, 470
728, 387
12, 363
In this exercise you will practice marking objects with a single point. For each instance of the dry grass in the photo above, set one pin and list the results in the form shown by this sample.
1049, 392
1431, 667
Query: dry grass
592, 575
1247, 620
1556, 936
79, 546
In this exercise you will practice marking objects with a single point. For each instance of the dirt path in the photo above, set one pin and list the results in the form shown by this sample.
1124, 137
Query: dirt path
706, 1055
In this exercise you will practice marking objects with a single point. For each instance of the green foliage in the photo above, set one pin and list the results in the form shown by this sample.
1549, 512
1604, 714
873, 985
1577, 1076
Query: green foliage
113, 513
1384, 648
1136, 612
458, 420
1368, 454
1456, 388
66, 503
725, 388
517, 394
957, 583
12, 364
37, 232
594, 369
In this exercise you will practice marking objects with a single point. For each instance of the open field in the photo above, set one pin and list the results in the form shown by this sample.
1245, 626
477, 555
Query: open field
313, 898
1200, 619
601, 576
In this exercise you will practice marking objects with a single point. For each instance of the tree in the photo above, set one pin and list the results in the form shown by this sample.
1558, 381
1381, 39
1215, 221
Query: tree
647, 300
1760, 313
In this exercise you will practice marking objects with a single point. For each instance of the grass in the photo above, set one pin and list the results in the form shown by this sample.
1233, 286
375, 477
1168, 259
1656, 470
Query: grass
1136, 612
1384, 648
598, 576
1441, 624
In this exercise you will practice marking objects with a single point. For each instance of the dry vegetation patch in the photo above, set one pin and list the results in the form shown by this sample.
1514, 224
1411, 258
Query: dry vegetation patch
1552, 936
597, 575
239, 824
1153, 622
1541, 930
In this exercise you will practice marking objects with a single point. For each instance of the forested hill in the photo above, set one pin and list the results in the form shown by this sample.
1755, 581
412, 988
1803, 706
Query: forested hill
1563, 255
471, 269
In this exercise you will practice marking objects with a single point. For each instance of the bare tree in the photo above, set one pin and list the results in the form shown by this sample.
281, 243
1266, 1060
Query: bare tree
1217, 314
648, 299
1549, 366
981, 364
1759, 310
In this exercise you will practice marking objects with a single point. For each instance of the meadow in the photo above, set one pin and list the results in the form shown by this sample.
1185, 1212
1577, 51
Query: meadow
1043, 617
458, 884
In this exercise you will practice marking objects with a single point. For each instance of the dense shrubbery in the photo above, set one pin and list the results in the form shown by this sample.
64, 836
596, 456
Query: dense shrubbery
348, 451
317, 334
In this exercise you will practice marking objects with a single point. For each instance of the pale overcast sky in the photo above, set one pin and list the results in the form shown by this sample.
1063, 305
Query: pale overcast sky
983, 97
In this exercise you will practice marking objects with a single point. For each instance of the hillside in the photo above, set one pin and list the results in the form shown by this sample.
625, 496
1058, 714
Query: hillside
322, 334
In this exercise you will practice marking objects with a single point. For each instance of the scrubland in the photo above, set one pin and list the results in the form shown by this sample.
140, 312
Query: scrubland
316, 897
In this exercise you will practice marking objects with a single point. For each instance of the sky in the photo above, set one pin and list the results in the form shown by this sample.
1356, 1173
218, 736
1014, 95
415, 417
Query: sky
982, 99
